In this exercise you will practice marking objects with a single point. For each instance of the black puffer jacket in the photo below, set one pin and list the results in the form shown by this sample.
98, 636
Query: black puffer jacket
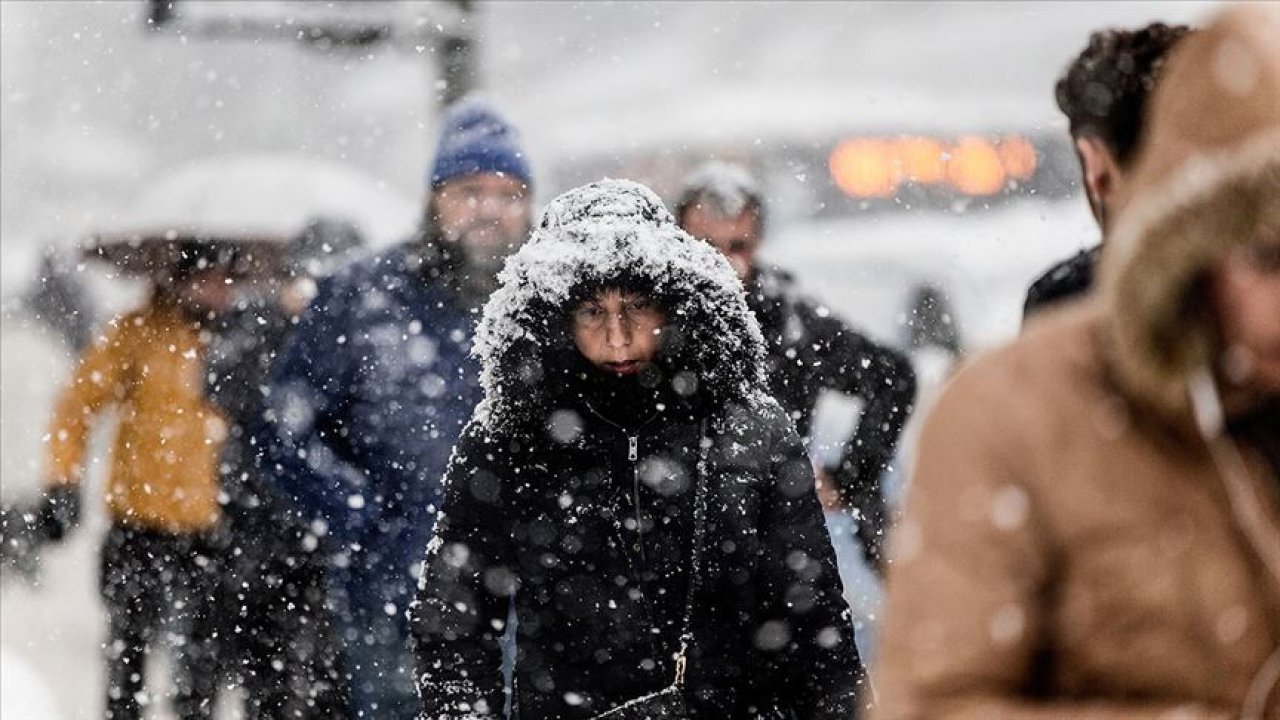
577, 495
811, 350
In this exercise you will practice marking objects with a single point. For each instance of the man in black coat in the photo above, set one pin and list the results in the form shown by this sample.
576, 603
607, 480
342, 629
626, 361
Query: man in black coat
278, 640
809, 349
625, 408
1104, 93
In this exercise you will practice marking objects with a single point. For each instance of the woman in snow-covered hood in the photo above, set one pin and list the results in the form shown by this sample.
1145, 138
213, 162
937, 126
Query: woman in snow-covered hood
630, 483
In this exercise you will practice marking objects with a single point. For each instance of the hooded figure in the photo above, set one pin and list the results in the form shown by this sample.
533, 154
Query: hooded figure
575, 489
1093, 528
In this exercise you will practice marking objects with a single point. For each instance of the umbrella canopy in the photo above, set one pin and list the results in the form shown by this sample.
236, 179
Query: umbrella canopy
248, 208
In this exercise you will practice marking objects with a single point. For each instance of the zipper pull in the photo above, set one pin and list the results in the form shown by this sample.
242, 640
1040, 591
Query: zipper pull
633, 448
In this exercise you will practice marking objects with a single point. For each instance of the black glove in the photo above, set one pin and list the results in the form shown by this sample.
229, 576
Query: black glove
17, 547
48, 519
25, 529
57, 512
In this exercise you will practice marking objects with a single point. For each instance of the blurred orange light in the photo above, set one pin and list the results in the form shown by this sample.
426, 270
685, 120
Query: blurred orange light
975, 167
876, 167
1017, 157
922, 160
864, 168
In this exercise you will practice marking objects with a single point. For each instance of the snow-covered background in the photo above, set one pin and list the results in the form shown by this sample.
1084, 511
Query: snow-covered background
95, 110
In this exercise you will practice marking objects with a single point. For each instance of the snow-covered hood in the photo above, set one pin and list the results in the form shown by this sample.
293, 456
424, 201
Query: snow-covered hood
591, 235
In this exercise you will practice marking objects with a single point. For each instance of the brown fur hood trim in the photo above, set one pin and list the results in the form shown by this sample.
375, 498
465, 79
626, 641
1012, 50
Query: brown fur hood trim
1206, 180
1159, 327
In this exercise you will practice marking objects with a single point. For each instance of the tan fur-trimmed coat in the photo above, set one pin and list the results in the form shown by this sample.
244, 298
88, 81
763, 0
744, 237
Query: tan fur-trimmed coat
1071, 546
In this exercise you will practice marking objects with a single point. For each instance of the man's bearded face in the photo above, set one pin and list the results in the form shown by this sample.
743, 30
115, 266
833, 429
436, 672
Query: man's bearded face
486, 214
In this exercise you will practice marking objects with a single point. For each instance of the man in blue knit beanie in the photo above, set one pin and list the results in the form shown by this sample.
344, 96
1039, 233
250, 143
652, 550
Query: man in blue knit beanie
368, 399
479, 206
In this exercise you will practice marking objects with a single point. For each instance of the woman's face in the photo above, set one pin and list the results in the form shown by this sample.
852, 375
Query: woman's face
618, 331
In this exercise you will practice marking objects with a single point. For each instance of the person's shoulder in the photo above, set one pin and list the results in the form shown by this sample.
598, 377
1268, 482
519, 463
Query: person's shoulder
1053, 364
757, 415
773, 282
482, 447
380, 284
130, 319
373, 270
1064, 280
120, 328
780, 288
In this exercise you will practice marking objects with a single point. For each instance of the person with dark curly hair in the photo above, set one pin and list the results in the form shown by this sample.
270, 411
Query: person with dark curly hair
1104, 94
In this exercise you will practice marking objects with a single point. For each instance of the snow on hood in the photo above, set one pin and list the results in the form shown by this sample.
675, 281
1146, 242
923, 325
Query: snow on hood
592, 235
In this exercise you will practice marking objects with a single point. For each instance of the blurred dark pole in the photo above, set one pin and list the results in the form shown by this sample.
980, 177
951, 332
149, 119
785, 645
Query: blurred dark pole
457, 56
160, 13
453, 46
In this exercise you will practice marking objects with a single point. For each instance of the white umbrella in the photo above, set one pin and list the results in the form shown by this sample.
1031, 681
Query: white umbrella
261, 201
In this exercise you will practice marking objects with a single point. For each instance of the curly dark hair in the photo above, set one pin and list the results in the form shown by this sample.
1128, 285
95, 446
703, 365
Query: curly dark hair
1104, 91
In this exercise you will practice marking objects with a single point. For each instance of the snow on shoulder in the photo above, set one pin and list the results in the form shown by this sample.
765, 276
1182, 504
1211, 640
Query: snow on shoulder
593, 235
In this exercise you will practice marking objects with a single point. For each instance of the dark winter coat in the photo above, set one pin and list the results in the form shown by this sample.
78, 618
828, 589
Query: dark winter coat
584, 513
1068, 279
811, 350
365, 405
275, 630
244, 343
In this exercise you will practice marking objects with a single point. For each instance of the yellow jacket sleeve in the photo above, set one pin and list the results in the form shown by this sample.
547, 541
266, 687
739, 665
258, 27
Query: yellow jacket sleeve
99, 380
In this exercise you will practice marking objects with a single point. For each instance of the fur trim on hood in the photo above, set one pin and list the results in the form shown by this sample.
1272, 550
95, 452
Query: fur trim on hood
1207, 180
602, 233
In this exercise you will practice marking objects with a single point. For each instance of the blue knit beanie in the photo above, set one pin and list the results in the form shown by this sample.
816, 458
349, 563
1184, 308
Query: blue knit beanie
475, 138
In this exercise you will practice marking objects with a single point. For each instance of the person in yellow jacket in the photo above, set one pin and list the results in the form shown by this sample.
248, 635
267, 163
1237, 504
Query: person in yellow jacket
158, 557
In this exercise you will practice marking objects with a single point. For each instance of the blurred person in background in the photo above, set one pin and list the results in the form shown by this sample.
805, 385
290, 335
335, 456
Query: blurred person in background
649, 507
371, 393
56, 312
1104, 94
159, 569
277, 638
809, 350
1093, 527
58, 299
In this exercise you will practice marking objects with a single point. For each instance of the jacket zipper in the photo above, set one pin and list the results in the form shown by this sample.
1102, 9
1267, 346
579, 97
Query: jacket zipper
633, 455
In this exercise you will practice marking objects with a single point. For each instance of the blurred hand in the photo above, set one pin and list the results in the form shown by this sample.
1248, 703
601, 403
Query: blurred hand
57, 512
19, 550
828, 495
